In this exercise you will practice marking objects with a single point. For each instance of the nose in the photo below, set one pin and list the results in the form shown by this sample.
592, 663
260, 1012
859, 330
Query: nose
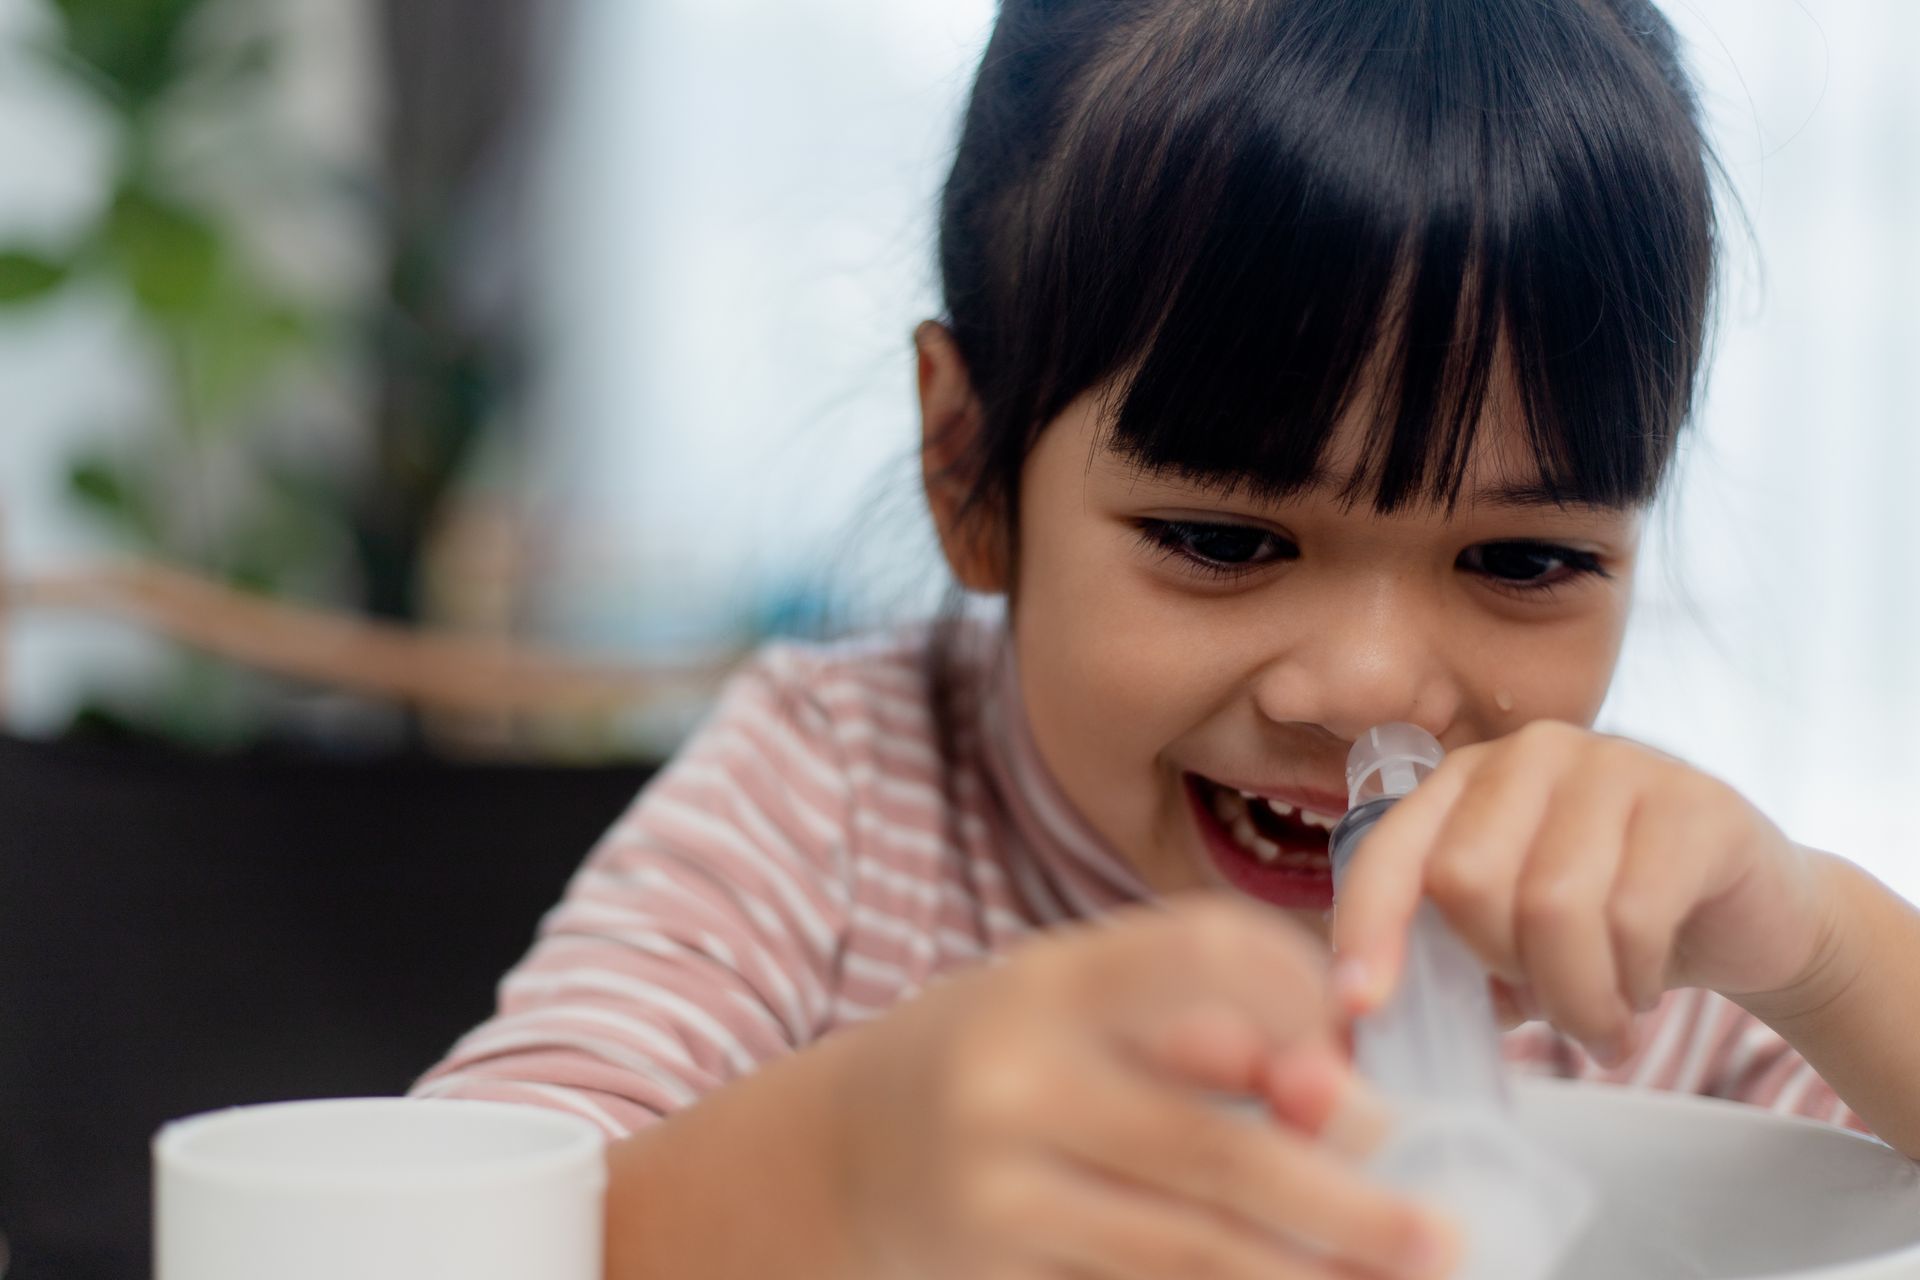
1379, 656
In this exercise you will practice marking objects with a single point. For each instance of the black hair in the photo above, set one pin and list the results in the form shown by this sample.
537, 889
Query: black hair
1242, 219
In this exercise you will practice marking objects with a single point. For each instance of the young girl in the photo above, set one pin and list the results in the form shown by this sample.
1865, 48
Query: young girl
1308, 365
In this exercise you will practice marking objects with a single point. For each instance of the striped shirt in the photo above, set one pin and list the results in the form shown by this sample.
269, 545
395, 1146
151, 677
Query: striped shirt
826, 846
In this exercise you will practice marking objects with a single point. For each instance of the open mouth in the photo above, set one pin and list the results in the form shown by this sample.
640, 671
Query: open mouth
1267, 848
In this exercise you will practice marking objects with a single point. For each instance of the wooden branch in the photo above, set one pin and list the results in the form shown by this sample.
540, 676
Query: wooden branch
354, 654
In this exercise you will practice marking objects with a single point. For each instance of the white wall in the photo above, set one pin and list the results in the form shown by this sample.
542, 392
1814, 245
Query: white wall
740, 239
1798, 543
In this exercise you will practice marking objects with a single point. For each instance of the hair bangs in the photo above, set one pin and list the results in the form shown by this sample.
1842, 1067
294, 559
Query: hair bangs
1266, 220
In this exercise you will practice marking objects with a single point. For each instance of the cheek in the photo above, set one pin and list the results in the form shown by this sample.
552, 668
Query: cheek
1117, 691
1559, 676
1109, 675
1096, 675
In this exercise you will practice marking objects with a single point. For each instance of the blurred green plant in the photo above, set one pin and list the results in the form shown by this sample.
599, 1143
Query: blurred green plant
208, 481
199, 483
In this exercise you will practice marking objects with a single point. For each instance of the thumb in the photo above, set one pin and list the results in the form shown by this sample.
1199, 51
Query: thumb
1313, 1089
1210, 1046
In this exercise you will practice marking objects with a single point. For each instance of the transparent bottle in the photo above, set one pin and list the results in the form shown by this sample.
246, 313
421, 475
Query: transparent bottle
1433, 1052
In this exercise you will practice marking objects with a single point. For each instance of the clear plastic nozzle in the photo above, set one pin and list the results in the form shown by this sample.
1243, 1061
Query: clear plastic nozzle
1390, 760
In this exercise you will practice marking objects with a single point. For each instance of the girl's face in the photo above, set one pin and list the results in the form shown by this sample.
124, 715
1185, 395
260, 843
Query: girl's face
1188, 657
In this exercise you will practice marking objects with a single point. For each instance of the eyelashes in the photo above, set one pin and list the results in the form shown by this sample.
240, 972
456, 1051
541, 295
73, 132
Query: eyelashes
1216, 550
1223, 552
1529, 567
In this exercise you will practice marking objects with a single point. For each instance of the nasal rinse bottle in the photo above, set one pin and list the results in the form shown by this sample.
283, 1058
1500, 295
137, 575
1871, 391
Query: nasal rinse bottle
1433, 1052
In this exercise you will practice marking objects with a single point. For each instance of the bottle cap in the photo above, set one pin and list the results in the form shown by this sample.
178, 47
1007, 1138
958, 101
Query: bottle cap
1390, 760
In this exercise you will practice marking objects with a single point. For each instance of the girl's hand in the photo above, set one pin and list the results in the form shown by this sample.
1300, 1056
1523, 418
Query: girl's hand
1051, 1117
1591, 875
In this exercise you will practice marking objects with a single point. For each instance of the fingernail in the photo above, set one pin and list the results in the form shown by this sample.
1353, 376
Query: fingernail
1353, 983
1613, 1052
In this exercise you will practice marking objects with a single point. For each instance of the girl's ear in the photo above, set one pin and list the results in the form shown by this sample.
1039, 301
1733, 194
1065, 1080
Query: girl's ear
951, 443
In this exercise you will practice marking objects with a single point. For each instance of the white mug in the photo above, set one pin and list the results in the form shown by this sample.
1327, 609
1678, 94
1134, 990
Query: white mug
379, 1189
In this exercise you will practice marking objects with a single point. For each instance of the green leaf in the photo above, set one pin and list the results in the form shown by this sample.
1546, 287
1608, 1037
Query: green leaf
294, 535
133, 46
171, 255
27, 276
231, 349
118, 496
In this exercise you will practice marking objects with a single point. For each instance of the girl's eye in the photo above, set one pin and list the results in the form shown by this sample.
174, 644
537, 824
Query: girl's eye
1529, 566
1223, 550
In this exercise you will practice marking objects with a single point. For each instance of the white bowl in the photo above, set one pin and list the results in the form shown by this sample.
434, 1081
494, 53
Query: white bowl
1697, 1187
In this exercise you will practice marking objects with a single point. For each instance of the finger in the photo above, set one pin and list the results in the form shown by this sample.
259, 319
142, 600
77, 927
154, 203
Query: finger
1315, 1092
1381, 889
1309, 1087
1094, 1225
1212, 1046
1561, 913
1479, 855
1130, 1128
1506, 1006
1661, 879
1220, 952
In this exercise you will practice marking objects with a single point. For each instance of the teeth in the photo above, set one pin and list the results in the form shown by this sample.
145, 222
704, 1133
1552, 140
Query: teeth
1232, 806
1325, 822
1278, 806
1243, 831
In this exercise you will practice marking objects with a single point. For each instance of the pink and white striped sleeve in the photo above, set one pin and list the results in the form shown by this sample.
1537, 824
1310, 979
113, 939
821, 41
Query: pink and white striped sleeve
1697, 1041
1757, 1065
700, 938
1702, 1042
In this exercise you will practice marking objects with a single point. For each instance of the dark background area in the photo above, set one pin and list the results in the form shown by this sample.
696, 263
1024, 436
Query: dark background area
180, 933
